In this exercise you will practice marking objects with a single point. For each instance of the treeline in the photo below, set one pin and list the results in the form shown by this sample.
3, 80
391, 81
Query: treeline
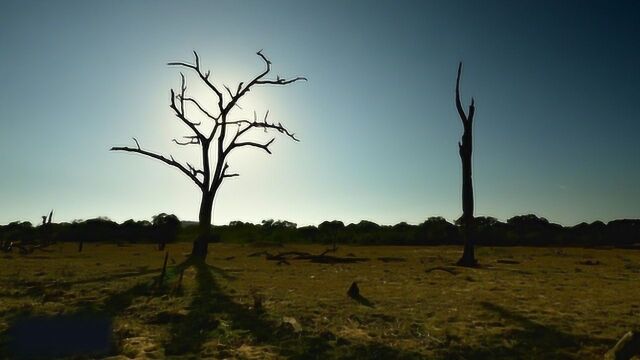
526, 230
162, 229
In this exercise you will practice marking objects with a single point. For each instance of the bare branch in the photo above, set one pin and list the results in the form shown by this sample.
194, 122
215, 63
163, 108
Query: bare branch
195, 171
472, 111
224, 172
177, 63
279, 127
181, 116
264, 147
193, 140
280, 81
238, 122
192, 100
137, 143
258, 80
197, 59
267, 61
228, 90
183, 88
170, 161
463, 116
264, 125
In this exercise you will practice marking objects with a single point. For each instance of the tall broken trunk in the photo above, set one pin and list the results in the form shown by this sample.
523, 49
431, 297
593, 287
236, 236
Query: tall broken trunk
465, 149
468, 255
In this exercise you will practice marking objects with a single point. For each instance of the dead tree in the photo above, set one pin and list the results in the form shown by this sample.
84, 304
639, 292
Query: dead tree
465, 149
45, 229
223, 135
47, 221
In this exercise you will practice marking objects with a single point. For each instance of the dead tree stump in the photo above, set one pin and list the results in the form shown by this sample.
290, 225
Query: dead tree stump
354, 291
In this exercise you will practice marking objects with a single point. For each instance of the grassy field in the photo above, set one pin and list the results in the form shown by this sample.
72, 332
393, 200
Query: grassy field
523, 303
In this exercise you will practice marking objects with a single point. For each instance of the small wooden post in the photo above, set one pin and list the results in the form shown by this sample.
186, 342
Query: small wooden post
164, 269
180, 279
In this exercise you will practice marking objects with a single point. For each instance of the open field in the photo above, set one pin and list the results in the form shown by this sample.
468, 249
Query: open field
541, 303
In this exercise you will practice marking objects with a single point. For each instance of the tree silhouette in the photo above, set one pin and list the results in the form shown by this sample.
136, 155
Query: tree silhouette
465, 149
221, 137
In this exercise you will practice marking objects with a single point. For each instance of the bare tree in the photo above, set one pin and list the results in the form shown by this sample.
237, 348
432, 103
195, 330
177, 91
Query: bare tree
216, 145
465, 149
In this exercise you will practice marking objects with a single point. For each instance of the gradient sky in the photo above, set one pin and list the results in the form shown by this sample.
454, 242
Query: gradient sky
557, 87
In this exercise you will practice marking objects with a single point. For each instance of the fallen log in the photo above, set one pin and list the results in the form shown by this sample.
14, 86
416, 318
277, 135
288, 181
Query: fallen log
388, 259
323, 258
288, 254
507, 261
626, 348
442, 268
259, 253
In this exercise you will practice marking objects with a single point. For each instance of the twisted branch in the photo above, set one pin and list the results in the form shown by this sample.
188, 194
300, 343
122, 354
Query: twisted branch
180, 112
264, 124
224, 172
258, 80
170, 161
208, 114
203, 76
193, 140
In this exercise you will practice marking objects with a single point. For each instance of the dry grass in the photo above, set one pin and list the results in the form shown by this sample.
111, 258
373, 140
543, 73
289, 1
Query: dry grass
542, 303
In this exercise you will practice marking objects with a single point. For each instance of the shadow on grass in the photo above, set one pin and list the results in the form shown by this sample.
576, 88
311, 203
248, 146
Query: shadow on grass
84, 333
69, 335
528, 340
213, 315
36, 288
109, 278
362, 300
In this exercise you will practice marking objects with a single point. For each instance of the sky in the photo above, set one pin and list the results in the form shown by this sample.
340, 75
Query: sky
556, 85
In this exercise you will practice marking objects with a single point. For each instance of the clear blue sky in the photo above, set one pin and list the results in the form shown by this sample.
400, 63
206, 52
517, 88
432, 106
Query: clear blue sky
557, 87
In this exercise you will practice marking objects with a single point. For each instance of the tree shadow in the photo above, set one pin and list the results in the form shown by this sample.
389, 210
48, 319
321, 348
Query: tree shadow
528, 340
118, 302
37, 288
214, 315
109, 278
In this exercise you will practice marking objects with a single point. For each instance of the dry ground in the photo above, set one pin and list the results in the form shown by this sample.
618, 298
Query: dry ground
542, 303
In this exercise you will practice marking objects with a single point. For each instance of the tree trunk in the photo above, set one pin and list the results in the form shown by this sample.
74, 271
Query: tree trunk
468, 256
201, 243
